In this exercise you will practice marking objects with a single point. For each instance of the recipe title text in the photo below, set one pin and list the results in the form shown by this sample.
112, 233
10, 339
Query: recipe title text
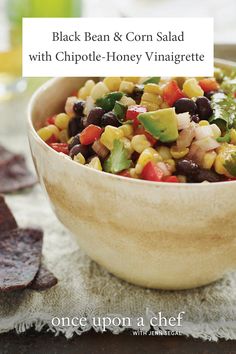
118, 47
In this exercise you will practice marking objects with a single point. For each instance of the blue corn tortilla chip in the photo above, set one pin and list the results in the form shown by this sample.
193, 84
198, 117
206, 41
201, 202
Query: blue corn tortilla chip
43, 280
14, 174
20, 256
7, 220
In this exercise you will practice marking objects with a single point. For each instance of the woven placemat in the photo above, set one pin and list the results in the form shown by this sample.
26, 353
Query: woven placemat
87, 290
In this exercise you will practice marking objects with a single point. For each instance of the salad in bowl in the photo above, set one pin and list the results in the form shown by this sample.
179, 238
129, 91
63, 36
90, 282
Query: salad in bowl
176, 130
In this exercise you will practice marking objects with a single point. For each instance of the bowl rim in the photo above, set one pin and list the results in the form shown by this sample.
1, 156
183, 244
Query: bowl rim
52, 81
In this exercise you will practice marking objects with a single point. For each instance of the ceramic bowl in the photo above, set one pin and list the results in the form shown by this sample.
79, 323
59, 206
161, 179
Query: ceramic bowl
157, 235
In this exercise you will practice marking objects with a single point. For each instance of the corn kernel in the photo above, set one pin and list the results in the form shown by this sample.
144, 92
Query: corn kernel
85, 91
82, 93
149, 154
54, 130
109, 135
44, 133
62, 120
203, 123
233, 136
151, 101
171, 165
219, 165
164, 151
224, 152
113, 83
150, 106
99, 90
178, 154
127, 146
164, 105
79, 158
153, 88
192, 89
134, 79
133, 174
95, 163
127, 101
63, 136
127, 130
126, 86
208, 160
151, 97
140, 143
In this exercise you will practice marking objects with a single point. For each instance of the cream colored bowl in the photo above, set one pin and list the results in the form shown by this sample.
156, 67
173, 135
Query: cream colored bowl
158, 235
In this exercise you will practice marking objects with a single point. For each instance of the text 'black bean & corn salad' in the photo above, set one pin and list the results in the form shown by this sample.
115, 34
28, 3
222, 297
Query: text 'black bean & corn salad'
155, 129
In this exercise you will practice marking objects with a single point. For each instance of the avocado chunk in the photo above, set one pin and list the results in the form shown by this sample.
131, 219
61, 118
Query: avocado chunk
161, 124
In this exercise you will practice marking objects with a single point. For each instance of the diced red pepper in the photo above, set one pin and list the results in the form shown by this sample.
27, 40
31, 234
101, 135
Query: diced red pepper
151, 172
133, 112
209, 84
172, 93
140, 130
53, 139
124, 173
90, 134
50, 120
60, 147
171, 179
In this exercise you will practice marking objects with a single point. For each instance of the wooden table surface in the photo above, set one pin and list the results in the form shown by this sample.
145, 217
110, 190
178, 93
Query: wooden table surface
93, 343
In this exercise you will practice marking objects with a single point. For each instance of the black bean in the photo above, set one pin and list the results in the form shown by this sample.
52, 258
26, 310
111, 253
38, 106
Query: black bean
79, 107
85, 150
75, 126
204, 107
75, 141
137, 93
187, 167
185, 105
109, 119
206, 175
195, 118
94, 116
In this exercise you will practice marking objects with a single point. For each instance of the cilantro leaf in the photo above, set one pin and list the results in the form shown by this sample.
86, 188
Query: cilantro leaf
224, 110
229, 85
230, 164
152, 80
120, 111
118, 159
